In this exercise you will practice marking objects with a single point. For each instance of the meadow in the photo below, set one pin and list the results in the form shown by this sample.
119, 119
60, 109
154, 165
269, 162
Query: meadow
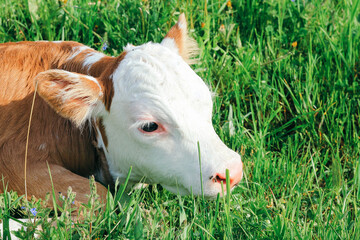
286, 75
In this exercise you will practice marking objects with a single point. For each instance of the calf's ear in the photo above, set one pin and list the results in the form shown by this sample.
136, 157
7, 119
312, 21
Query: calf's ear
178, 40
72, 95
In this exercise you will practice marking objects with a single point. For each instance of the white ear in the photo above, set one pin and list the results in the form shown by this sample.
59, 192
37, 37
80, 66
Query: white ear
72, 95
178, 40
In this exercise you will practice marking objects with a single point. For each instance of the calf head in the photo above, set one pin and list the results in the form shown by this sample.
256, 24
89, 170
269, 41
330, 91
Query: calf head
160, 113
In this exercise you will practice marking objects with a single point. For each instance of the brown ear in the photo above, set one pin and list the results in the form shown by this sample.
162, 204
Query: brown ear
178, 38
72, 95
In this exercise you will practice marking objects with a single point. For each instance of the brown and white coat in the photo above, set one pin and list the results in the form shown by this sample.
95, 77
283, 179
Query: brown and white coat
100, 115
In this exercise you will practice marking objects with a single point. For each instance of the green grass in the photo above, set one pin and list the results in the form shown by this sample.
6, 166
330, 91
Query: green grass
286, 75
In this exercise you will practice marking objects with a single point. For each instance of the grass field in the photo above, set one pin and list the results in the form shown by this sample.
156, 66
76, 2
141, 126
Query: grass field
287, 80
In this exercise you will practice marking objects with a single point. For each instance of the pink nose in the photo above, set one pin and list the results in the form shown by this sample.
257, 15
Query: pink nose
236, 173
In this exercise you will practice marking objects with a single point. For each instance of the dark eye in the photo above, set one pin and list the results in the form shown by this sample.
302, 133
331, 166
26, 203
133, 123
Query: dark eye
149, 127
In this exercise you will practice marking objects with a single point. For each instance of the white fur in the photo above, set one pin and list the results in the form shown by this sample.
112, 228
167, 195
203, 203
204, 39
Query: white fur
50, 41
78, 50
153, 83
92, 58
16, 226
182, 25
170, 43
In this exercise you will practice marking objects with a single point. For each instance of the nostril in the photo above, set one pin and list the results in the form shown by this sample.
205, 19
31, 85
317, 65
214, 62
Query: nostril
220, 178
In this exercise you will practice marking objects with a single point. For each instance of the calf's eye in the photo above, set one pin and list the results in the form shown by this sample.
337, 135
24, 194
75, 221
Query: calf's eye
150, 127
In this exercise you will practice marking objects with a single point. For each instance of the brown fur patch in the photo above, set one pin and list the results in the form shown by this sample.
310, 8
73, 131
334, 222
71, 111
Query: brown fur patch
71, 95
21, 62
53, 139
188, 48
103, 69
177, 34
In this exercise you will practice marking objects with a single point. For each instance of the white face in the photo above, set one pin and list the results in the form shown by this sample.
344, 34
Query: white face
160, 110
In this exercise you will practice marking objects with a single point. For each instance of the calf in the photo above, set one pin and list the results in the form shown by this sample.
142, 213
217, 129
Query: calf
100, 115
